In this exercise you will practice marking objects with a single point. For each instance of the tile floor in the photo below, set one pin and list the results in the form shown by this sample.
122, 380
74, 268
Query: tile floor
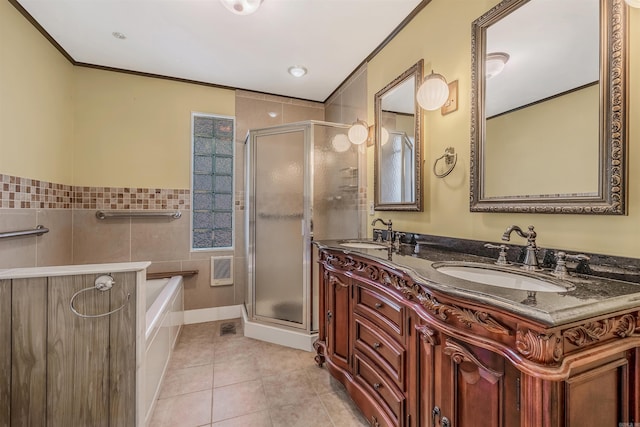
228, 380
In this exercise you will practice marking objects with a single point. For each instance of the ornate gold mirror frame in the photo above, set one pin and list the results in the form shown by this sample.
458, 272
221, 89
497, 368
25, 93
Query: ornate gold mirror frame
610, 198
398, 144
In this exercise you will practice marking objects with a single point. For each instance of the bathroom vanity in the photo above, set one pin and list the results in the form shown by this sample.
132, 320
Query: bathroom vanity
417, 347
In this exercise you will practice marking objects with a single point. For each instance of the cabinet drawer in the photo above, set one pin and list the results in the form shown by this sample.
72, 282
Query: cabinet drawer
386, 313
379, 387
383, 350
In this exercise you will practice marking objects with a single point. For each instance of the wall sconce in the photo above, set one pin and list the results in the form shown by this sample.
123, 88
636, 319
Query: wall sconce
633, 3
358, 132
433, 92
494, 63
242, 7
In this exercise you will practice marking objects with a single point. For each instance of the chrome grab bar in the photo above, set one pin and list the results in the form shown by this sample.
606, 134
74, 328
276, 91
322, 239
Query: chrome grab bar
137, 214
103, 283
38, 231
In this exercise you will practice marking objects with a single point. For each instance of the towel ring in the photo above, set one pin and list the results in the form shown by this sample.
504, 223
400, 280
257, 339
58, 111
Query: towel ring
450, 159
103, 283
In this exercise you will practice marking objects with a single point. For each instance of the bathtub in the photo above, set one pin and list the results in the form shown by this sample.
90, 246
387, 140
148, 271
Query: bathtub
164, 318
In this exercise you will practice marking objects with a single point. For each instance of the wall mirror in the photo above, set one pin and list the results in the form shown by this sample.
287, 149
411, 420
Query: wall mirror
548, 131
398, 157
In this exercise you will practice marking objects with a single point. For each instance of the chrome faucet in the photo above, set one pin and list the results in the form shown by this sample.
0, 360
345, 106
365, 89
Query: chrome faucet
389, 228
531, 256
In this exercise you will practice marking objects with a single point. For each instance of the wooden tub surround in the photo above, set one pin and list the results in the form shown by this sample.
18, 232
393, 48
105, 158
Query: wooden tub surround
417, 348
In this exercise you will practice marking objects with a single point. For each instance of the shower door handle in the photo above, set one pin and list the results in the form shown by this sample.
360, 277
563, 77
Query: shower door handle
311, 228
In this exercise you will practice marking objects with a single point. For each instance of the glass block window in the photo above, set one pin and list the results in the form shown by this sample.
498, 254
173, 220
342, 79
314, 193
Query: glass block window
212, 182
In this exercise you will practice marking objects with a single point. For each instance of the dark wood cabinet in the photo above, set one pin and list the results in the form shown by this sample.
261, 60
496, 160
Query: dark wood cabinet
411, 356
338, 318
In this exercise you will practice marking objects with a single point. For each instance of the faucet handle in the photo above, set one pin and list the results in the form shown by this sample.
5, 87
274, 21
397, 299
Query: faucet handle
561, 264
398, 237
377, 235
502, 256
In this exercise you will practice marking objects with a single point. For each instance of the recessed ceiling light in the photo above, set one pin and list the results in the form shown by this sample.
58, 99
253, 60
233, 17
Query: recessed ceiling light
242, 7
118, 35
297, 71
272, 114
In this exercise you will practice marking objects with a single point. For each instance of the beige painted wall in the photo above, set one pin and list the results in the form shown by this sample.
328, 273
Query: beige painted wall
36, 124
441, 34
133, 131
532, 133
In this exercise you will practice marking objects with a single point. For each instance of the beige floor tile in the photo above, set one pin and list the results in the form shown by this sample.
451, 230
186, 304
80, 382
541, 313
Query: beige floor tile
187, 380
257, 419
198, 332
307, 413
186, 410
284, 360
288, 388
192, 354
321, 381
342, 411
231, 349
238, 399
238, 370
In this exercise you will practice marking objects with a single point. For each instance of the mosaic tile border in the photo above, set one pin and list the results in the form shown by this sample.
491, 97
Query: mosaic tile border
17, 192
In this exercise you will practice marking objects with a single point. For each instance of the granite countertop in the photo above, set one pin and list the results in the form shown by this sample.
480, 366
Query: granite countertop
588, 296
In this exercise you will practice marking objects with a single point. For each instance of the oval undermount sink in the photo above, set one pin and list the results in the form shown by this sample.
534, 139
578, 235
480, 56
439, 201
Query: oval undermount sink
500, 278
363, 245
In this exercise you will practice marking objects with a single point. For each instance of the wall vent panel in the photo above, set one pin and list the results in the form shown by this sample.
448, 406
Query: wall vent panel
221, 270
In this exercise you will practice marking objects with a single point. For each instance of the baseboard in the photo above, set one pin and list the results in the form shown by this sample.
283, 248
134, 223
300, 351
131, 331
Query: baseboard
275, 335
212, 314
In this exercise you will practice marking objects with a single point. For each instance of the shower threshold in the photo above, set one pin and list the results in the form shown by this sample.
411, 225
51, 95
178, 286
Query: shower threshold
276, 334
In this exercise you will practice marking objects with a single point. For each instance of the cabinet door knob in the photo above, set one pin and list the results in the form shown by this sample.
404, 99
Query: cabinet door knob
377, 386
376, 345
378, 305
445, 422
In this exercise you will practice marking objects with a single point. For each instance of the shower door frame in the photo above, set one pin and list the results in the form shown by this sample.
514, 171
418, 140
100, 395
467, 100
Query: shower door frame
306, 223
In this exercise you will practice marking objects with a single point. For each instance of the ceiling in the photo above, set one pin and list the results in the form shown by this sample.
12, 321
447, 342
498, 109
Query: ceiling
200, 40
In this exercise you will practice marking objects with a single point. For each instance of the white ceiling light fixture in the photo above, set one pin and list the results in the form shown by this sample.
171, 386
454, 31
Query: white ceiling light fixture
633, 3
433, 92
297, 70
242, 7
358, 132
118, 35
495, 63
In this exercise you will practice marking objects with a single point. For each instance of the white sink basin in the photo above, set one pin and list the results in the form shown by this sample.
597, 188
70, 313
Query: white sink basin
363, 245
500, 278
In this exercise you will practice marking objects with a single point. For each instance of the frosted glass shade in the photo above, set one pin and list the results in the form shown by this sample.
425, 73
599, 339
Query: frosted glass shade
242, 7
433, 92
358, 132
384, 135
495, 63
633, 3
340, 143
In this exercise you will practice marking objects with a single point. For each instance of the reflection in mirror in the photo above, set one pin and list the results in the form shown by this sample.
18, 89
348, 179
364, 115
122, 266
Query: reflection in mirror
548, 130
397, 145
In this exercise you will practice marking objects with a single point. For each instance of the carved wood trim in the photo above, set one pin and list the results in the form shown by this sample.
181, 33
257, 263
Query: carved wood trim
413, 291
464, 315
428, 335
333, 280
459, 354
593, 332
545, 349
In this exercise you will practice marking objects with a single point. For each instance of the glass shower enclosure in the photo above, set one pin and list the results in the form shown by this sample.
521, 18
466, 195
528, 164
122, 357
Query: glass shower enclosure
302, 184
